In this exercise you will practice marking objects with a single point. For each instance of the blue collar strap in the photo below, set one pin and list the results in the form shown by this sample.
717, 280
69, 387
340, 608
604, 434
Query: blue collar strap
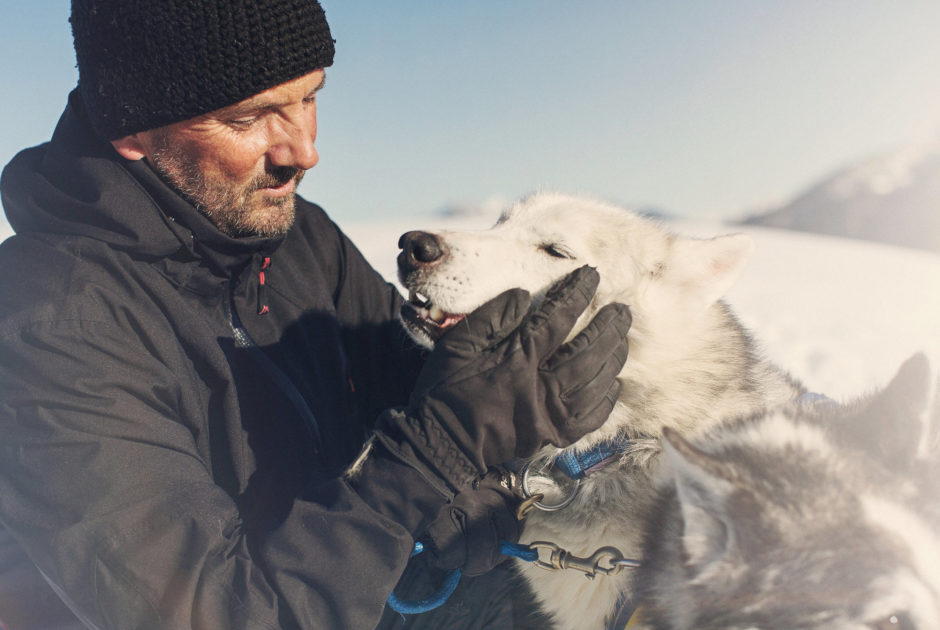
580, 465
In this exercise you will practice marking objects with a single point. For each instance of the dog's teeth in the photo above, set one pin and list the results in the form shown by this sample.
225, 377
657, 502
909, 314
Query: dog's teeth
417, 298
436, 314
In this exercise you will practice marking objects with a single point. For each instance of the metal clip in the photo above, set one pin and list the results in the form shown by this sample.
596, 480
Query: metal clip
562, 559
527, 506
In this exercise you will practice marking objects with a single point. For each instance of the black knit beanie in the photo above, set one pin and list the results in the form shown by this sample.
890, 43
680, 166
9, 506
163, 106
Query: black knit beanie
147, 63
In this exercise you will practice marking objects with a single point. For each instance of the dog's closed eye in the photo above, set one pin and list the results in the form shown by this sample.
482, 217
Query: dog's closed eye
556, 250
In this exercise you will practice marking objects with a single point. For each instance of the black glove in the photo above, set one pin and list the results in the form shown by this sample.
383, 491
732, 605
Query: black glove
468, 532
502, 383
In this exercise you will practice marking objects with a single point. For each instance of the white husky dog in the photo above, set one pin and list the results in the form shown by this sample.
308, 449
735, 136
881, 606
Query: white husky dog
691, 365
820, 517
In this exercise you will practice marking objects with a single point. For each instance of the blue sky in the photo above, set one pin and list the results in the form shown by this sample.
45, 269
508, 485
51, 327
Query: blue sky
708, 108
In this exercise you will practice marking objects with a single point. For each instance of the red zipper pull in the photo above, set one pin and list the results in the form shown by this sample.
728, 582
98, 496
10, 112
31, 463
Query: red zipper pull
262, 289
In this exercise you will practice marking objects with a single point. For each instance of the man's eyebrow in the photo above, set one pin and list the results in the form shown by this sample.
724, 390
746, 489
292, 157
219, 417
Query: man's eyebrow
258, 104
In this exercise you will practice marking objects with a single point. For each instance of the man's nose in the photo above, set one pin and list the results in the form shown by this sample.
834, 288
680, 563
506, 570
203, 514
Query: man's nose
296, 146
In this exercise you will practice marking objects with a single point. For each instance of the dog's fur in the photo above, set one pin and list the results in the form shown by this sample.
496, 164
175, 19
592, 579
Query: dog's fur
691, 363
822, 517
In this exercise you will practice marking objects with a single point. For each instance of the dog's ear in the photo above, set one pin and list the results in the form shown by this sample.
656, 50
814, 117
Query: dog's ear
703, 485
704, 269
891, 425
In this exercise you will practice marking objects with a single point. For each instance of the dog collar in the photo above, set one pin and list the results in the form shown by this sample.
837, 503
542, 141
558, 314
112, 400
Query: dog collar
578, 465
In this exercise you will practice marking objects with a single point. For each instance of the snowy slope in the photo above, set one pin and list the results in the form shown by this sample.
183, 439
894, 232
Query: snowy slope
839, 314
892, 198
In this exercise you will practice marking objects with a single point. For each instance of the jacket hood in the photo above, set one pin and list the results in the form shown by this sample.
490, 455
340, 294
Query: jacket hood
77, 185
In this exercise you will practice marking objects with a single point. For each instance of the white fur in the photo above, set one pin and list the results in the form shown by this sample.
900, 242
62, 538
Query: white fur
920, 539
691, 365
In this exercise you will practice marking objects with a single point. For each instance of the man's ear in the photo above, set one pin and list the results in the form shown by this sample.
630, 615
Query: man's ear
129, 147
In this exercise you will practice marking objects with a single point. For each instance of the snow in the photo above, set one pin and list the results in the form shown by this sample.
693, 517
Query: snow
840, 315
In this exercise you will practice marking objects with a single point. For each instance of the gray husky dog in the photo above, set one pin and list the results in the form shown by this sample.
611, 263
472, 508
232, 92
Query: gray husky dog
805, 517
691, 366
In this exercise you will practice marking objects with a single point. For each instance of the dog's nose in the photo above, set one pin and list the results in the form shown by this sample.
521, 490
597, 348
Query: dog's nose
419, 248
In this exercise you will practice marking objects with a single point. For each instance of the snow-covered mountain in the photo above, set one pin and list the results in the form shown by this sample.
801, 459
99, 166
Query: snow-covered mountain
892, 198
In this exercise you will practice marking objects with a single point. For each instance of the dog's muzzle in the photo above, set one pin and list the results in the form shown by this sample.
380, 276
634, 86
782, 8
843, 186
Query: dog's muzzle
420, 251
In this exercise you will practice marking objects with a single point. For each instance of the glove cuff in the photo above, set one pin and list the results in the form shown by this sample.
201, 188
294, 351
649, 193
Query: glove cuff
408, 495
422, 443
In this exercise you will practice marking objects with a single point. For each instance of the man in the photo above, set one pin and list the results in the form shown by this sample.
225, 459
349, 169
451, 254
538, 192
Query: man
192, 357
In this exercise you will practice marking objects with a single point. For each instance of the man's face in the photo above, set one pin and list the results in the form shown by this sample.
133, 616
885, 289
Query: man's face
240, 165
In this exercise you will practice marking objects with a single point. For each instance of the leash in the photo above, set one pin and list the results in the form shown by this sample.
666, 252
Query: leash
605, 561
435, 600
451, 580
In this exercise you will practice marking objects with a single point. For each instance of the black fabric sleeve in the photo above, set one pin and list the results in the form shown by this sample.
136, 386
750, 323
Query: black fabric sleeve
103, 486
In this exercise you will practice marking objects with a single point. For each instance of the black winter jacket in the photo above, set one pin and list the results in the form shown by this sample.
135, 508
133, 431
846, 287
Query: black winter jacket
176, 405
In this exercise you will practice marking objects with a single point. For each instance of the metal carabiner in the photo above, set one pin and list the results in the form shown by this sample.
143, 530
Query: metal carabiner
546, 507
591, 566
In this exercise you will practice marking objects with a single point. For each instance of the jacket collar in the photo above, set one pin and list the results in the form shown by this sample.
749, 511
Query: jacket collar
223, 253
77, 185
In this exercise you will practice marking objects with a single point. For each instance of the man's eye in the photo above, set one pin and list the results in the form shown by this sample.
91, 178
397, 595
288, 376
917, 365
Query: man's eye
242, 123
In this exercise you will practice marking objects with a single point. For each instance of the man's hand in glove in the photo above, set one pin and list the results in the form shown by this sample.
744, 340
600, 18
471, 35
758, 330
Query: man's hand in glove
468, 532
502, 383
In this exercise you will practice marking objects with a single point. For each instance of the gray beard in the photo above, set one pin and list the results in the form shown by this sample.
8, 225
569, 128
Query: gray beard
230, 208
